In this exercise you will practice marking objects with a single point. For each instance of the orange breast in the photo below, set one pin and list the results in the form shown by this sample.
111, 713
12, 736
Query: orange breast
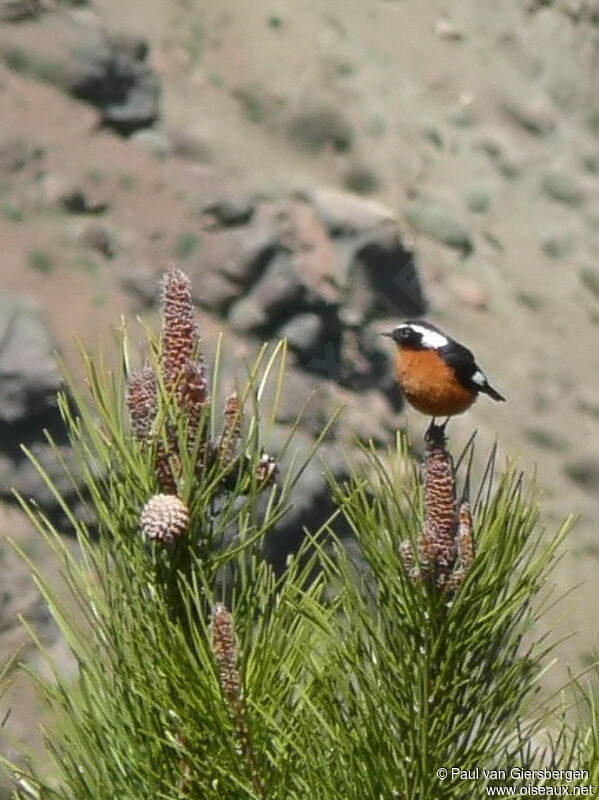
430, 385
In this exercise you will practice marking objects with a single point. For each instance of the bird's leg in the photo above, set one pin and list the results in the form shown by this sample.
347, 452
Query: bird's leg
445, 424
432, 426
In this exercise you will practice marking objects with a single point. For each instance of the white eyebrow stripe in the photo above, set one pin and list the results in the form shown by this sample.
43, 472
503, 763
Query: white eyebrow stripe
479, 378
430, 338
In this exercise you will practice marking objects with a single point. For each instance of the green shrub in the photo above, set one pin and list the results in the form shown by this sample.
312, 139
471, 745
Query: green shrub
356, 673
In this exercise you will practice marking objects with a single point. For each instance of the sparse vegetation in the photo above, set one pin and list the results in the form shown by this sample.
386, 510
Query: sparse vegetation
531, 301
361, 179
128, 181
584, 472
27, 63
321, 128
589, 277
258, 106
547, 438
96, 175
187, 244
11, 212
41, 261
202, 672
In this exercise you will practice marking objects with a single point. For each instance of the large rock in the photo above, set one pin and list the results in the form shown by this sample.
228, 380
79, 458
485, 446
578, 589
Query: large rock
440, 223
113, 73
29, 378
29, 381
376, 271
278, 294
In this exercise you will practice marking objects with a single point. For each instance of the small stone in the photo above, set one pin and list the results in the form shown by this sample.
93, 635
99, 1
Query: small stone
345, 213
562, 187
98, 238
535, 116
192, 145
56, 189
20, 10
362, 179
229, 212
445, 29
441, 224
154, 141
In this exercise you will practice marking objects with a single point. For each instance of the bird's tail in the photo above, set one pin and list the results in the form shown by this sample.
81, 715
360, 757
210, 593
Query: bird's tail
488, 389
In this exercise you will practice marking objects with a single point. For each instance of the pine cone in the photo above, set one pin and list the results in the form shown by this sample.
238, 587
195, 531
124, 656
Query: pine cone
164, 518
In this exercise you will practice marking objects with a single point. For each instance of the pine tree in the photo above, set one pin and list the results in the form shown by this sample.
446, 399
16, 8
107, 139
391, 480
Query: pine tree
204, 674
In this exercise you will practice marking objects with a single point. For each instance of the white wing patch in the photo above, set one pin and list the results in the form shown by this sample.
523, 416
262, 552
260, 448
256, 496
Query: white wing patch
430, 338
479, 378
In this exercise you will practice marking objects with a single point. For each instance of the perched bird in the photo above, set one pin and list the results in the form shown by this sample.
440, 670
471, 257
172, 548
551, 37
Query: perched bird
438, 375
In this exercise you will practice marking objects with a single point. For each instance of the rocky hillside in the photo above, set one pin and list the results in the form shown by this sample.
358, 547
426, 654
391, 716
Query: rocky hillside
320, 172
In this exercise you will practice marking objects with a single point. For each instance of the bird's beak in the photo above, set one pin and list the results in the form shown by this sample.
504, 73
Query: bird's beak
386, 333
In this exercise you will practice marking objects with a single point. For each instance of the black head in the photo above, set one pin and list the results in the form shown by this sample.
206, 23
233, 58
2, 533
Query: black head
418, 336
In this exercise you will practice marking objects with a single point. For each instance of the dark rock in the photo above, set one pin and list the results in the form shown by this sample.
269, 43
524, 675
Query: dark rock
98, 238
78, 200
279, 293
112, 73
312, 502
253, 247
382, 277
375, 272
364, 362
441, 224
20, 10
29, 377
229, 212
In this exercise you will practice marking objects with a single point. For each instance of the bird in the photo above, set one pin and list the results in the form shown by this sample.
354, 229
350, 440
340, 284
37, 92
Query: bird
438, 375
